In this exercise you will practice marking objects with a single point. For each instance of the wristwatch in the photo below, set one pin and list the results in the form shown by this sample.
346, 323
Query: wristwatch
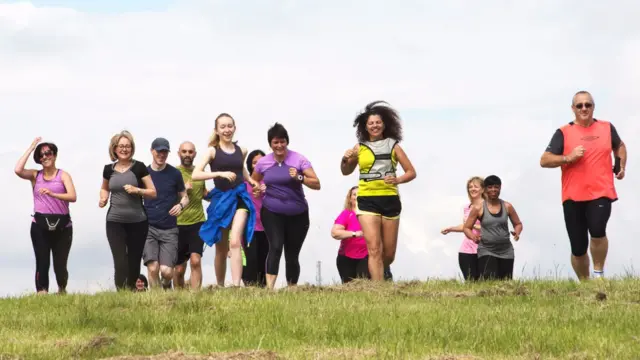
300, 177
181, 206
353, 234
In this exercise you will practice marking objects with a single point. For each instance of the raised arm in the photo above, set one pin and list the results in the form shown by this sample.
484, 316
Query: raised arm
349, 161
515, 221
27, 174
474, 214
407, 166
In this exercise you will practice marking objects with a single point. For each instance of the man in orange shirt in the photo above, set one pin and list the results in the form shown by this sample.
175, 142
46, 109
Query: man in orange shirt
582, 148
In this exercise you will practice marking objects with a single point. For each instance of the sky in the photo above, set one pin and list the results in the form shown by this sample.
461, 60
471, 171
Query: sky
480, 87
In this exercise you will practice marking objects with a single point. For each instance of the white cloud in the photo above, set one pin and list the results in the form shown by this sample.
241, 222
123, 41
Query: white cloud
510, 69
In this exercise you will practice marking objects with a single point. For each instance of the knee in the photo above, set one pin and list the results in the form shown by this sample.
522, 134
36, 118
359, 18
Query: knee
153, 266
235, 243
166, 271
195, 261
389, 258
375, 252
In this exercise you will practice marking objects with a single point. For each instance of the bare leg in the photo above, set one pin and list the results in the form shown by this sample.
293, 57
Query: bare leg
220, 263
153, 274
237, 230
196, 271
371, 227
599, 249
389, 240
178, 275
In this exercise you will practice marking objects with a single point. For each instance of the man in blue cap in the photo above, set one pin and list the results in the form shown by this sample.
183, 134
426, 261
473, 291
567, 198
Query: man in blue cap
161, 248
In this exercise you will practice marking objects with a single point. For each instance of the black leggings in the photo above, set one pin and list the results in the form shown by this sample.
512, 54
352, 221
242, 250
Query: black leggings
127, 243
350, 269
494, 268
469, 266
288, 232
253, 274
45, 244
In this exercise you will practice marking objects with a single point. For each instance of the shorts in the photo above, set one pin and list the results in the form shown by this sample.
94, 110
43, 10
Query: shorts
242, 206
387, 206
161, 246
582, 218
189, 242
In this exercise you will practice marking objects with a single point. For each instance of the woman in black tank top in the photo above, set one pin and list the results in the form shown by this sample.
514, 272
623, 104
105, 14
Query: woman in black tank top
225, 226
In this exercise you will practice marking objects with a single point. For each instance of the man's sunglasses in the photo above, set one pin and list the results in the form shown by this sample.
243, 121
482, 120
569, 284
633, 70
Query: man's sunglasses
585, 105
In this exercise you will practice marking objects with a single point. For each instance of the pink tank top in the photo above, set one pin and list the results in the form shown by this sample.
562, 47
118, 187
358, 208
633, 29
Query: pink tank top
469, 246
46, 204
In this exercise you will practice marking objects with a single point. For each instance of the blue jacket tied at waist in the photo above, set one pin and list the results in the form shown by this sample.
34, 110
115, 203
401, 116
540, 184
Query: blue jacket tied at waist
221, 211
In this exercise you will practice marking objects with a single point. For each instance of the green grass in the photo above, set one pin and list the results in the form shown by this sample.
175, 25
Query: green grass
415, 320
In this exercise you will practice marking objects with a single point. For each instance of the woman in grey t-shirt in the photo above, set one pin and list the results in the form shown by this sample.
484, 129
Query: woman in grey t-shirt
128, 182
495, 251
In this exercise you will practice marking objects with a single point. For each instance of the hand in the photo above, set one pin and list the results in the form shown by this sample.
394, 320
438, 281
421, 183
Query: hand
44, 191
228, 175
35, 143
445, 231
516, 237
391, 179
175, 210
620, 175
293, 172
359, 233
476, 238
259, 190
130, 189
103, 202
188, 185
351, 153
576, 153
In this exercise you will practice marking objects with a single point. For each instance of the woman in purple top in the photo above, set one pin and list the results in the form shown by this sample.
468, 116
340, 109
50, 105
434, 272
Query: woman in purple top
51, 229
285, 213
253, 272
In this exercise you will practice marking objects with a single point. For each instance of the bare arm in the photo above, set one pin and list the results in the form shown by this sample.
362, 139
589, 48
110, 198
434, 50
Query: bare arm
338, 232
149, 191
407, 166
199, 172
27, 174
515, 220
245, 172
621, 152
70, 195
474, 214
550, 160
310, 179
349, 161
104, 193
205, 192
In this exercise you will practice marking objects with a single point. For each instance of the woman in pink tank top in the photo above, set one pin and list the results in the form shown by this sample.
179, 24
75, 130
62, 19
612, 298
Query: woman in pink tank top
51, 228
468, 253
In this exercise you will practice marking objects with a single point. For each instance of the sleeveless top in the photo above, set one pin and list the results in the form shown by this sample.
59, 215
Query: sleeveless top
591, 177
224, 161
469, 246
495, 238
376, 159
46, 204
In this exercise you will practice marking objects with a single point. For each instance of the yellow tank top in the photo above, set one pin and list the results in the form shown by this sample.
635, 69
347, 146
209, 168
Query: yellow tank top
377, 159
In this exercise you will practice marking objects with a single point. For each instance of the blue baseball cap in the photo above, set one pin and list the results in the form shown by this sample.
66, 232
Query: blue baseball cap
160, 144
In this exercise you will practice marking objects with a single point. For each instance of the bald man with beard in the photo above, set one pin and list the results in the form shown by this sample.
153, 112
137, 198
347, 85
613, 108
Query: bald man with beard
190, 245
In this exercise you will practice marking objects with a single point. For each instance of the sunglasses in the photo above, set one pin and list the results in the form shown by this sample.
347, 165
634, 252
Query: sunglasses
46, 154
585, 105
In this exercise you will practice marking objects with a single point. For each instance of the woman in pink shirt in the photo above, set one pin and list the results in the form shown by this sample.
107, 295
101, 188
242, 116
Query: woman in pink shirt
353, 257
468, 253
254, 271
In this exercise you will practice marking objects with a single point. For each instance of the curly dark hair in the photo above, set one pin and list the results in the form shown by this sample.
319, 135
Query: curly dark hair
390, 118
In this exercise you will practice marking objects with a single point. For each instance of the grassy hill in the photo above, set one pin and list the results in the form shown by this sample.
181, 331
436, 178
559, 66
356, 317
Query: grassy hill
599, 319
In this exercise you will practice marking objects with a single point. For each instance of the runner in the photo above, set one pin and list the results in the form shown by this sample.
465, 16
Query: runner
582, 148
468, 253
190, 245
253, 272
352, 260
231, 214
378, 204
285, 212
495, 251
161, 248
51, 227
128, 182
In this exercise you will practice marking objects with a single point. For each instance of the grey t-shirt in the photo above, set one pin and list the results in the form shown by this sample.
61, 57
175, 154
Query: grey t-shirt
494, 232
125, 207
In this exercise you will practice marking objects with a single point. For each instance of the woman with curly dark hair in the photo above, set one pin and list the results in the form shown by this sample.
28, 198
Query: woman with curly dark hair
377, 154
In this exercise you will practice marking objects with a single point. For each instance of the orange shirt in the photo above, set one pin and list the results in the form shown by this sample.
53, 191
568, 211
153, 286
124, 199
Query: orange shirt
590, 177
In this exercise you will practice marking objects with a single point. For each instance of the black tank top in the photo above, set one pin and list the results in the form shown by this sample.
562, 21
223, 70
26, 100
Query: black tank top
227, 162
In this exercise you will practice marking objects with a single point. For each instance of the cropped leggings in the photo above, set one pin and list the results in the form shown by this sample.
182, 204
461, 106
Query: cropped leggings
126, 241
45, 244
285, 232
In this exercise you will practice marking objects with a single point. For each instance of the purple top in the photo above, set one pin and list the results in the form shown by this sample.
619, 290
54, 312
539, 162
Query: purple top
284, 194
46, 204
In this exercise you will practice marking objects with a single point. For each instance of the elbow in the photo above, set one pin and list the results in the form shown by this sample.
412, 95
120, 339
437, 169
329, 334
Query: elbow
334, 235
73, 198
153, 194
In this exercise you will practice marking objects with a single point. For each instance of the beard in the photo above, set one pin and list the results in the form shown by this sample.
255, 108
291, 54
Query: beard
186, 161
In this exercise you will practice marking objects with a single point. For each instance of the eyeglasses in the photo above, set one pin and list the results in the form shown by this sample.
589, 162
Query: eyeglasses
585, 105
123, 147
46, 154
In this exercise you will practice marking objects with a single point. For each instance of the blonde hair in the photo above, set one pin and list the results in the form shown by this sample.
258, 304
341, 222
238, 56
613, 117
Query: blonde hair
115, 139
214, 140
478, 180
347, 200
